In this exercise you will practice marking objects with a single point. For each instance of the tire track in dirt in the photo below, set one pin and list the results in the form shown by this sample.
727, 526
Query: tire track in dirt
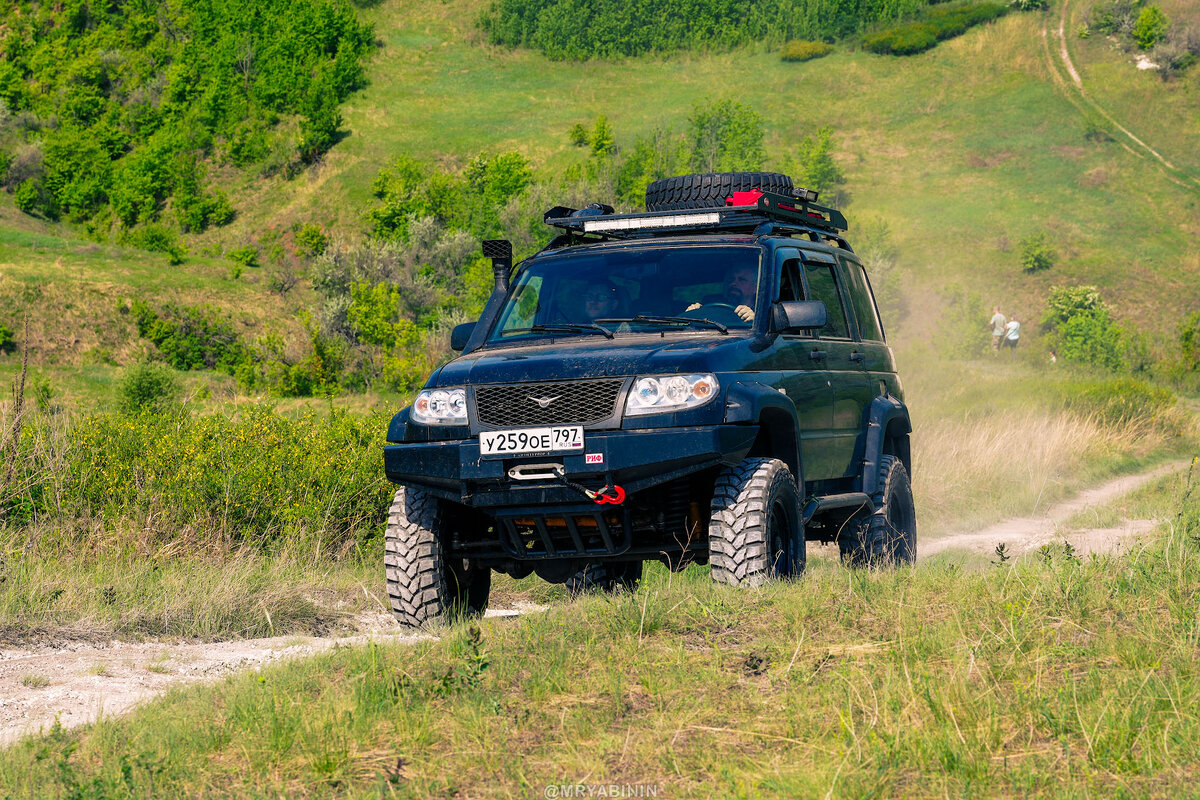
77, 683
1024, 534
1173, 173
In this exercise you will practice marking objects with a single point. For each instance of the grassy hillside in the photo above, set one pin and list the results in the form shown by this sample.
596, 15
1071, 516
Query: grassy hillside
963, 151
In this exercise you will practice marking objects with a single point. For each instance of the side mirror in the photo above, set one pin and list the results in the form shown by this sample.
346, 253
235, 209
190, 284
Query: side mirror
800, 315
460, 335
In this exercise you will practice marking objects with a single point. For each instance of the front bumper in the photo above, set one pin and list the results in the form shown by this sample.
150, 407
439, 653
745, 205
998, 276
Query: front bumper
634, 459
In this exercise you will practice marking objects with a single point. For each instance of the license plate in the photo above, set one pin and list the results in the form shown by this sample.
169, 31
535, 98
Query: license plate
531, 440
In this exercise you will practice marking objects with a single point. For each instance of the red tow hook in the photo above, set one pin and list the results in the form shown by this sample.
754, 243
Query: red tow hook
603, 496
609, 495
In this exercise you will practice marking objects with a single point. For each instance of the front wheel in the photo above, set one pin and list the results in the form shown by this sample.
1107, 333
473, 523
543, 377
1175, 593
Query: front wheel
425, 586
756, 530
888, 537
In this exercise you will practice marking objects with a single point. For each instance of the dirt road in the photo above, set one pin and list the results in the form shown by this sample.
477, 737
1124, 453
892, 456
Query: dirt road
76, 683
1024, 534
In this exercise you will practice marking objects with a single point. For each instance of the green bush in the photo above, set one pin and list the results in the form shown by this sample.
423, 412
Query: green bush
191, 337
1189, 343
255, 478
814, 167
148, 386
903, 41
579, 136
583, 29
311, 240
1082, 329
939, 23
140, 88
1113, 16
1150, 28
158, 239
8, 339
28, 197
468, 201
247, 255
1036, 253
725, 135
802, 50
601, 139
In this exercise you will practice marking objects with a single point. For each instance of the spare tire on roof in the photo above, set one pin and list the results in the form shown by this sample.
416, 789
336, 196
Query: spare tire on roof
710, 189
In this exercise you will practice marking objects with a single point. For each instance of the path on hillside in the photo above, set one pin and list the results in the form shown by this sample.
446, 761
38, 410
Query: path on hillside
1025, 534
1077, 94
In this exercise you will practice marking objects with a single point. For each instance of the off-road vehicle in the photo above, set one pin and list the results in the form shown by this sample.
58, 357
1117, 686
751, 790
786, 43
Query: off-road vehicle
704, 382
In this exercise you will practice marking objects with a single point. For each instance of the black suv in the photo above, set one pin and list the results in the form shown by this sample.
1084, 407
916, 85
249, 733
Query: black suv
704, 382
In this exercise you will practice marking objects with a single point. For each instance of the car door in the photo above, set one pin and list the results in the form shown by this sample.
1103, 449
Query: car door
805, 375
844, 359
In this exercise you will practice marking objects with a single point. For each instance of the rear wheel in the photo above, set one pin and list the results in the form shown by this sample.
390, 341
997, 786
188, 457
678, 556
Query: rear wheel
889, 536
710, 189
755, 532
604, 576
423, 584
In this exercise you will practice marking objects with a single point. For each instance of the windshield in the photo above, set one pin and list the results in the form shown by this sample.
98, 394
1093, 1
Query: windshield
632, 291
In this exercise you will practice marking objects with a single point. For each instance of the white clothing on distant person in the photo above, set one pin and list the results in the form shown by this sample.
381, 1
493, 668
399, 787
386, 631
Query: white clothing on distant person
1012, 331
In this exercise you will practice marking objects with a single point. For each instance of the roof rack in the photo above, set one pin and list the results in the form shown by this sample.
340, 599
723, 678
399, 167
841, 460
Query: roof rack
744, 212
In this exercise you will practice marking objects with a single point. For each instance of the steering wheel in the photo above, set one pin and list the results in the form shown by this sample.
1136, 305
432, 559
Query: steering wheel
724, 314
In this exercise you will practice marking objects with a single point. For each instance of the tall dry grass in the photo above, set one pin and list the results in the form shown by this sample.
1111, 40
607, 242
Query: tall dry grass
988, 466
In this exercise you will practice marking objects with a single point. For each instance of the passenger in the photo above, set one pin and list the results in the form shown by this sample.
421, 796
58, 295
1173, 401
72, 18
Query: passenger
600, 301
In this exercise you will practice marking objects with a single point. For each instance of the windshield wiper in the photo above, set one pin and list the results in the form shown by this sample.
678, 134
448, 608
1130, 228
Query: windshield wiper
564, 327
667, 320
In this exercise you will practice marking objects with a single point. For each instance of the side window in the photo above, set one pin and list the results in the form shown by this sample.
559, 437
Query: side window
823, 286
864, 304
790, 287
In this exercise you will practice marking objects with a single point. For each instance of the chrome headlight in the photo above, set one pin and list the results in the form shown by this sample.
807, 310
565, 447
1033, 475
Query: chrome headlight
666, 393
440, 407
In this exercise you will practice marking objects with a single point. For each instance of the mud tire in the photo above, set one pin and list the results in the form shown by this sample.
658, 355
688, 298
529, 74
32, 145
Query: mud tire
755, 532
887, 538
425, 587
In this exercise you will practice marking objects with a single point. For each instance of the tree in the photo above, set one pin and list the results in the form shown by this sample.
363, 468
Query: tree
602, 137
320, 123
1151, 26
725, 136
815, 168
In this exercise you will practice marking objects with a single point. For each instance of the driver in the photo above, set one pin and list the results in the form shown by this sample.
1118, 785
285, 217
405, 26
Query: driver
739, 290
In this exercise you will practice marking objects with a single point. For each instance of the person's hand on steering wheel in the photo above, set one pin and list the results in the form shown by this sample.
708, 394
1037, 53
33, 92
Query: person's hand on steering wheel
745, 312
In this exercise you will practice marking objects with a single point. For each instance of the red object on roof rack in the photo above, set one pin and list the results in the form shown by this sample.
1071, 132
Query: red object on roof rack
749, 198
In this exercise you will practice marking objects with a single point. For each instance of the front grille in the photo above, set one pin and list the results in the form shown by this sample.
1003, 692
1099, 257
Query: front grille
574, 403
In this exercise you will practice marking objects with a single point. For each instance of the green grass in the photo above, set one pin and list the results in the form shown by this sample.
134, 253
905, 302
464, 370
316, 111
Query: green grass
1059, 679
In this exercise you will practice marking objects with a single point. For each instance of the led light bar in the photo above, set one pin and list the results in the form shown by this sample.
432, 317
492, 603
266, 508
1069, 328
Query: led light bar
673, 221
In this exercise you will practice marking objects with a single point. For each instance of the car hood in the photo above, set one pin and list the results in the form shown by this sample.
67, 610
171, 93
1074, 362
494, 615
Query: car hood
577, 358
